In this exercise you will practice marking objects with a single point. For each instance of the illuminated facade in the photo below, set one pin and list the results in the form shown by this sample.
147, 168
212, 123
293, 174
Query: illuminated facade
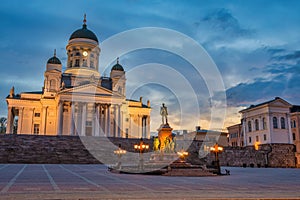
79, 101
265, 123
295, 126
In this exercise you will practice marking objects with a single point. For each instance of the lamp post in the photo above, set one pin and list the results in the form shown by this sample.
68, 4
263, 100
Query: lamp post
119, 152
182, 155
216, 149
141, 148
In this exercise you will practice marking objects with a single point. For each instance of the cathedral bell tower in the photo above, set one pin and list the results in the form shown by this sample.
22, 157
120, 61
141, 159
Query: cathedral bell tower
118, 78
52, 75
83, 54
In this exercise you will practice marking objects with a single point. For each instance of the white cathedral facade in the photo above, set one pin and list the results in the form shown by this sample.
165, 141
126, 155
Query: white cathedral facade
79, 101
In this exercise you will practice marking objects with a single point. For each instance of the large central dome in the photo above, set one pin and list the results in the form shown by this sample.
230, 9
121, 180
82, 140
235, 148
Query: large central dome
84, 33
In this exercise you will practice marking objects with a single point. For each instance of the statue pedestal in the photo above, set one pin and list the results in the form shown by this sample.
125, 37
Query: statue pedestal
164, 132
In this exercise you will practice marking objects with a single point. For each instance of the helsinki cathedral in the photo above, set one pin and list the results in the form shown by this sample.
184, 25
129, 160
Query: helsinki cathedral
79, 101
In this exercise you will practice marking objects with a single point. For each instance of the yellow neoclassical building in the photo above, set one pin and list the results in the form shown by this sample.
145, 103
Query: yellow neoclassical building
79, 101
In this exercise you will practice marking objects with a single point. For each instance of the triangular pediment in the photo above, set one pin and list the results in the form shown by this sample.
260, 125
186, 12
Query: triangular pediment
88, 89
278, 102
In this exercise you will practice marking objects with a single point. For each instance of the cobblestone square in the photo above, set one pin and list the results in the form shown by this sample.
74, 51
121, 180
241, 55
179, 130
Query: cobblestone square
38, 181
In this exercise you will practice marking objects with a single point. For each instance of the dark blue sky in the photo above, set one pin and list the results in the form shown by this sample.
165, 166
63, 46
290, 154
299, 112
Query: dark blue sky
255, 44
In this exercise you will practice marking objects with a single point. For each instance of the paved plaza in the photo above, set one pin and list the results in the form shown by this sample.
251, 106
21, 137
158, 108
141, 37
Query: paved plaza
37, 181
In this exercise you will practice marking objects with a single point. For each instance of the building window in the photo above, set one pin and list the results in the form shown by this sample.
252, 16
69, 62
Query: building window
52, 84
249, 126
92, 64
265, 137
250, 139
264, 123
88, 123
77, 63
294, 123
275, 123
294, 136
257, 139
256, 125
70, 64
36, 129
84, 62
37, 114
282, 122
77, 54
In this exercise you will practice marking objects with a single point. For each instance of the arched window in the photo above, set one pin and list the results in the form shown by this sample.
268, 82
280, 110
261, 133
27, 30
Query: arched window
256, 125
275, 123
249, 126
264, 123
92, 64
52, 84
282, 122
77, 63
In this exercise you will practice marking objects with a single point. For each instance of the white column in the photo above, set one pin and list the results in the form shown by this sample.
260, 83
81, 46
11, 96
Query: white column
130, 126
10, 120
32, 122
102, 119
148, 126
244, 130
119, 121
78, 119
105, 120
270, 128
290, 134
60, 118
96, 125
44, 120
20, 122
83, 121
72, 119
115, 121
140, 126
108, 121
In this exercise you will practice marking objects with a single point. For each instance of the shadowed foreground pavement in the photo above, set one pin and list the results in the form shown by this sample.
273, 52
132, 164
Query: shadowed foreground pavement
19, 181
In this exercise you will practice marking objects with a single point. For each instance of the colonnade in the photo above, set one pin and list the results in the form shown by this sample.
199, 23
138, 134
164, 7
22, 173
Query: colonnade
79, 118
89, 119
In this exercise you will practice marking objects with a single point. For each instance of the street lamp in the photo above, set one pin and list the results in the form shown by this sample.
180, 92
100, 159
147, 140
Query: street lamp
119, 152
216, 149
141, 148
182, 155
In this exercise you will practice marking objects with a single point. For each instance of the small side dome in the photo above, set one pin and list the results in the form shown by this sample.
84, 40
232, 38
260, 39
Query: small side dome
84, 32
117, 66
54, 59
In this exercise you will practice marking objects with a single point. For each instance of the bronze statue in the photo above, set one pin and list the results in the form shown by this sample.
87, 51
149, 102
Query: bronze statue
164, 114
12, 92
156, 144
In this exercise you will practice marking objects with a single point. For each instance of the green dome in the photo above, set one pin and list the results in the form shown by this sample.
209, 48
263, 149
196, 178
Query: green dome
84, 33
117, 67
54, 60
